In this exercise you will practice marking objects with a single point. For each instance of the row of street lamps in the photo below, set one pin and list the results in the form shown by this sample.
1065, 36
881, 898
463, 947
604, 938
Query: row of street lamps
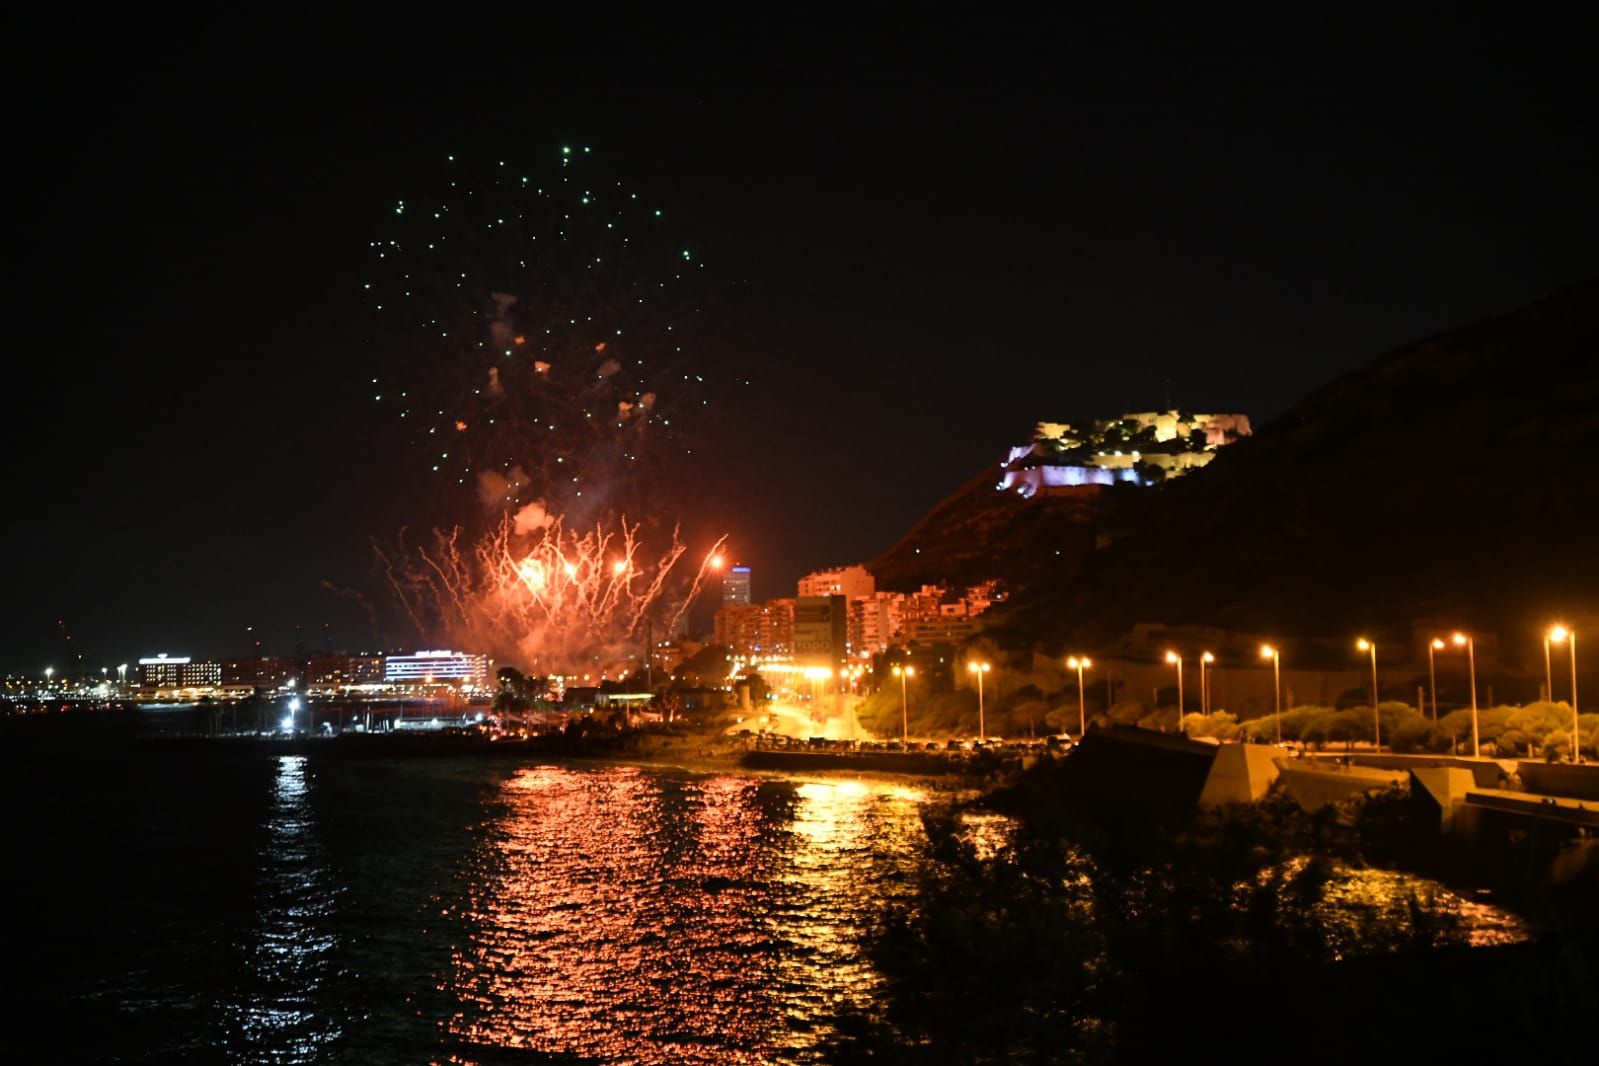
974, 666
105, 675
1558, 634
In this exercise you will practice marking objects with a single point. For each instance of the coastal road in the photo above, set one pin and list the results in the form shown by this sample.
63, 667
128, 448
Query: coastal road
821, 718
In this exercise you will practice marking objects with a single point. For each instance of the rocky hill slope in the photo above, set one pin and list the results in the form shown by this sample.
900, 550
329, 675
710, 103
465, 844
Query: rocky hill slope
1454, 478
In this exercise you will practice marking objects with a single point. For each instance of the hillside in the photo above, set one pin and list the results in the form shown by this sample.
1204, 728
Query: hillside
1045, 540
1454, 478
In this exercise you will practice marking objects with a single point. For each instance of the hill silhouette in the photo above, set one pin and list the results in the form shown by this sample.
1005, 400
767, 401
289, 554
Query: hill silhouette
1453, 478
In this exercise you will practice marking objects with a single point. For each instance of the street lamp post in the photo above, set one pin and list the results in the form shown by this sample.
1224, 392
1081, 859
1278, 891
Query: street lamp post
1177, 660
980, 669
903, 672
1205, 659
1466, 641
1268, 651
1548, 674
1080, 664
1433, 647
1560, 634
1376, 719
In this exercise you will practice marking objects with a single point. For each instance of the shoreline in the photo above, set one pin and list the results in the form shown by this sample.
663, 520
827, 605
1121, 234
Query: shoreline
693, 752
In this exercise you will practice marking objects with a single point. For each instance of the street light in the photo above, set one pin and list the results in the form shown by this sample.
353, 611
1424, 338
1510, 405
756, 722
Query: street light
1177, 660
903, 672
1466, 641
1559, 635
1205, 659
980, 669
1376, 721
122, 676
1268, 651
1435, 646
1080, 664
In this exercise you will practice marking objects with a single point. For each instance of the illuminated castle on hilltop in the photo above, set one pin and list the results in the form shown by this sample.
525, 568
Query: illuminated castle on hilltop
1140, 449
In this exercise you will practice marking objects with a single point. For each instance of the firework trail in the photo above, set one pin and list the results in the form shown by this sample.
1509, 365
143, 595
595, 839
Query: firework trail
538, 339
568, 600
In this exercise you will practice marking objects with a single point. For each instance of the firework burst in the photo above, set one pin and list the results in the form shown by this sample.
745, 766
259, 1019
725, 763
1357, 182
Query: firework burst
538, 339
560, 600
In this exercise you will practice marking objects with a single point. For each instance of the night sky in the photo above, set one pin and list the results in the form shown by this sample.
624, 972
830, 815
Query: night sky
927, 237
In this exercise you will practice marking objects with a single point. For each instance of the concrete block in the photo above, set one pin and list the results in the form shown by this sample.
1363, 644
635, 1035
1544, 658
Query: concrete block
1443, 787
1241, 773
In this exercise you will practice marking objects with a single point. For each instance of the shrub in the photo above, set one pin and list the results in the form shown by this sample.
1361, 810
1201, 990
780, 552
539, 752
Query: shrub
1219, 724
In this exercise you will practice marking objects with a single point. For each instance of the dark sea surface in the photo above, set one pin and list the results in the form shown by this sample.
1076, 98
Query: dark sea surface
221, 907
175, 904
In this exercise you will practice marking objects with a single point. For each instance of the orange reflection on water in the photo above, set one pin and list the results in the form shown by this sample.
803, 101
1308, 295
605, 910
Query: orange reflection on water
1357, 899
628, 914
840, 834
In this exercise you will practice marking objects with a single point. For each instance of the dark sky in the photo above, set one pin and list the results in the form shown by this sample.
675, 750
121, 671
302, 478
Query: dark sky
930, 235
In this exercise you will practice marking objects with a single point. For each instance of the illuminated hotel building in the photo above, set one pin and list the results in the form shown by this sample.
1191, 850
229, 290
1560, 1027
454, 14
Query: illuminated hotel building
201, 675
162, 671
442, 665
736, 587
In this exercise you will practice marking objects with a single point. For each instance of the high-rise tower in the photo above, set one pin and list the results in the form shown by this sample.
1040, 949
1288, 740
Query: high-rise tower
736, 587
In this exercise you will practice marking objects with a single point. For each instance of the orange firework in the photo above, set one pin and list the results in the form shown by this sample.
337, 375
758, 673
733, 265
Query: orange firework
556, 600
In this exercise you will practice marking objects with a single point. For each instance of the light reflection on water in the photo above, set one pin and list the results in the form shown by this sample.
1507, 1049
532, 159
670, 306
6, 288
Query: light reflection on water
635, 916
280, 1016
466, 911
1357, 898
986, 832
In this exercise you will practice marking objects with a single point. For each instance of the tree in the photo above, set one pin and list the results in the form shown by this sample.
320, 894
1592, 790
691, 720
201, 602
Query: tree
516, 693
709, 665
